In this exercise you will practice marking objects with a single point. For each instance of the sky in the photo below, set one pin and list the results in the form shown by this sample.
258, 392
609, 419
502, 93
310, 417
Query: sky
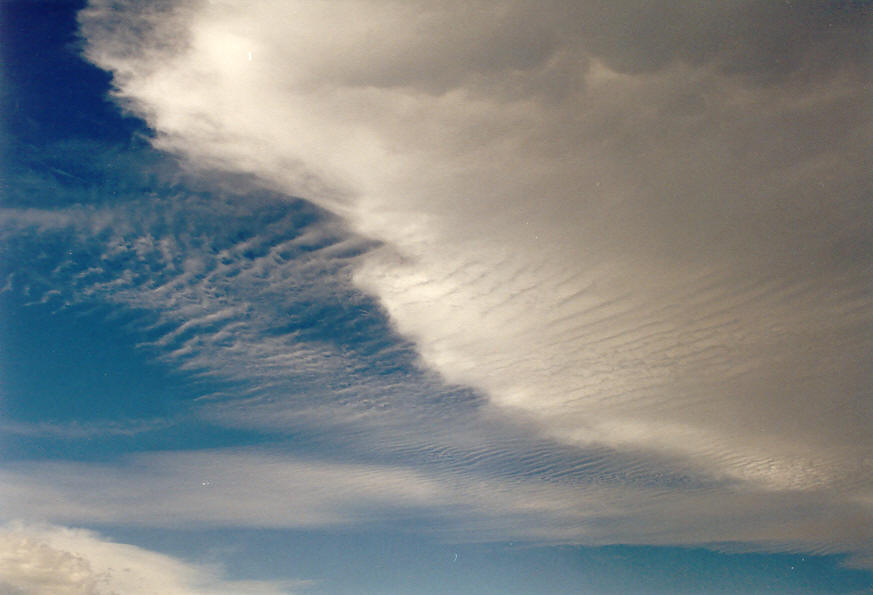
371, 296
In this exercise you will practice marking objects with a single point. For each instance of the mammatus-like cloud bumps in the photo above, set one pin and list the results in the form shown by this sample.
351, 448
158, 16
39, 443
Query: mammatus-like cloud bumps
646, 230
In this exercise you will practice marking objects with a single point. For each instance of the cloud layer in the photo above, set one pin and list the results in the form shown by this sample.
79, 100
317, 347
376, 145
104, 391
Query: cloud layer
276, 490
641, 228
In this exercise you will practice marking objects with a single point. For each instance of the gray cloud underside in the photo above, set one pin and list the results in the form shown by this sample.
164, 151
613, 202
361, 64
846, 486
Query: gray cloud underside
642, 231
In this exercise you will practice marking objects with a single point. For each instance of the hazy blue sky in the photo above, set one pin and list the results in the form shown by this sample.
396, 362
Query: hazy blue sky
456, 297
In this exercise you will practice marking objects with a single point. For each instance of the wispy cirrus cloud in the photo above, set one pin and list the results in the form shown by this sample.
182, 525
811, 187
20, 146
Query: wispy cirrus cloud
245, 291
221, 286
78, 430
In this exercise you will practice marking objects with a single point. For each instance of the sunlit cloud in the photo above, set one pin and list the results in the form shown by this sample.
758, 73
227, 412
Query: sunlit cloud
623, 259
39, 558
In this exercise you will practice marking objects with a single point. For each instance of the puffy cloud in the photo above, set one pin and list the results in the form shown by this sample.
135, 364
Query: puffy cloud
645, 232
58, 560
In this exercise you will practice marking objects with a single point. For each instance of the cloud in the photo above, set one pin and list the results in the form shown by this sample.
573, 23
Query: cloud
644, 234
246, 291
474, 475
78, 430
279, 490
223, 487
256, 281
61, 561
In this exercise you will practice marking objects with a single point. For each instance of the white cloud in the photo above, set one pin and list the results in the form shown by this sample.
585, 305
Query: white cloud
223, 487
54, 560
647, 237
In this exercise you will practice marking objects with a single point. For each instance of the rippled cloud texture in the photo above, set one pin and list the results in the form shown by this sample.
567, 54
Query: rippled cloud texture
644, 226
623, 251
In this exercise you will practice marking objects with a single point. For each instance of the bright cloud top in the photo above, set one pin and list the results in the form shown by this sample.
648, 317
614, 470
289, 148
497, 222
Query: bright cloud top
644, 231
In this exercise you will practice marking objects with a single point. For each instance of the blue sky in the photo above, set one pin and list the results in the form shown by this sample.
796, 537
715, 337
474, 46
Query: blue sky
378, 298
